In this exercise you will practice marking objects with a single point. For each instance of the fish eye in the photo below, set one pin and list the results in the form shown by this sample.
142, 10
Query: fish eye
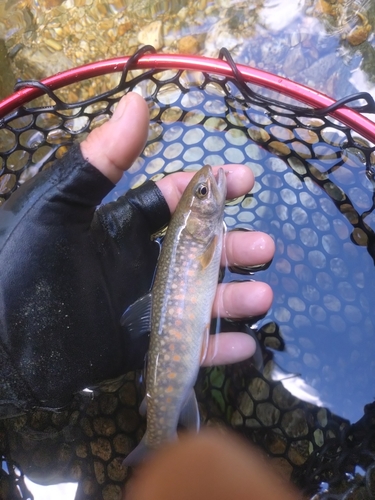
202, 190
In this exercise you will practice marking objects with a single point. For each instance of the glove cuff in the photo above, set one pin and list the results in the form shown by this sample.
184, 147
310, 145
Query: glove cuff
149, 199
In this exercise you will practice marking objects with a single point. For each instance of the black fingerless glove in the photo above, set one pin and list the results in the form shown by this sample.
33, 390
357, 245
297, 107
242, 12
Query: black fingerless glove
68, 272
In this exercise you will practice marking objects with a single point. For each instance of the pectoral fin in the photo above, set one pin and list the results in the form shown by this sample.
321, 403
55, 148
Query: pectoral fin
189, 416
209, 252
137, 317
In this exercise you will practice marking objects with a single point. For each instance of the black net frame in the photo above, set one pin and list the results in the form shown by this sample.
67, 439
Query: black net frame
320, 451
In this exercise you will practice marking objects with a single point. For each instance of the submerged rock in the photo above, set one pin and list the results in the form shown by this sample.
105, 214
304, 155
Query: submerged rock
152, 34
42, 62
7, 79
188, 45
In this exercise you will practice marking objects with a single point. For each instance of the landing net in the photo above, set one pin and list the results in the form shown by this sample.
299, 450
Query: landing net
309, 404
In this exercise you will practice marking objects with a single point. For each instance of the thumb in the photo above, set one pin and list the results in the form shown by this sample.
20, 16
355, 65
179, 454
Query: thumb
208, 465
113, 147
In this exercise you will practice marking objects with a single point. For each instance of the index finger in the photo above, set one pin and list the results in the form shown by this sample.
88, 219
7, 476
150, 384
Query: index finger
240, 181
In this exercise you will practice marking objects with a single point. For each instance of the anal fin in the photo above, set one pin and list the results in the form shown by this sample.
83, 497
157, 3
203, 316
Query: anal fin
138, 455
189, 416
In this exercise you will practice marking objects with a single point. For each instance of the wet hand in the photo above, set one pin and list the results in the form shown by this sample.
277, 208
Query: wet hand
71, 270
106, 149
209, 465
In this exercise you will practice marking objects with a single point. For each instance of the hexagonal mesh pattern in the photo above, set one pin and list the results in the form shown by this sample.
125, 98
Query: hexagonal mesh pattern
314, 193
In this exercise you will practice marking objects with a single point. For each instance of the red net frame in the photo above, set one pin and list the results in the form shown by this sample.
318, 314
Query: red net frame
311, 97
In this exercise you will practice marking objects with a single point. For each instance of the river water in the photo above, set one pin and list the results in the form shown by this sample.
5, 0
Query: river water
325, 44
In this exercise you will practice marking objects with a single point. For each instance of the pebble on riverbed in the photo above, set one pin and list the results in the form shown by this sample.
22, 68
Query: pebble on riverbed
152, 34
188, 45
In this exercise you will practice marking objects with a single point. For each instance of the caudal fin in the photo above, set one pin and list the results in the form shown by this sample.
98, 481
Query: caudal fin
138, 455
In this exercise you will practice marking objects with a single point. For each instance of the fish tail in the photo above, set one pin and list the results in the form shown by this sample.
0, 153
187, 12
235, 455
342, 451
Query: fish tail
138, 455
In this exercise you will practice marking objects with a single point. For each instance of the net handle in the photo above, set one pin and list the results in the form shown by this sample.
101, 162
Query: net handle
311, 97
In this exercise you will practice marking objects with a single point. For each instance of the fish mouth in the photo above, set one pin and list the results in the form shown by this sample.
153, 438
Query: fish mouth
220, 183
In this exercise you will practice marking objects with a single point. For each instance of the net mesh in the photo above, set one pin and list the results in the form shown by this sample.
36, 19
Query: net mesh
314, 193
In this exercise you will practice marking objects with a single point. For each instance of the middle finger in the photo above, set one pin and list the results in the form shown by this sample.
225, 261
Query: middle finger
242, 299
247, 248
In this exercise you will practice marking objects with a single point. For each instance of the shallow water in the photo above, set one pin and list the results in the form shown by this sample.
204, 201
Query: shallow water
315, 198
325, 45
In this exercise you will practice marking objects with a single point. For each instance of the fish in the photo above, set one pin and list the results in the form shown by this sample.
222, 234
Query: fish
180, 307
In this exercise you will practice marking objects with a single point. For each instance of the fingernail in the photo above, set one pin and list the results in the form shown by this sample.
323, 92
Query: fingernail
120, 108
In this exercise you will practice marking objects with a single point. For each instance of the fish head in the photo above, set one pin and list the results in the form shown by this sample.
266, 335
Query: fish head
204, 203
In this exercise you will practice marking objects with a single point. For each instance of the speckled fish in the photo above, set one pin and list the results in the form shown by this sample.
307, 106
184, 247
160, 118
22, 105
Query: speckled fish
180, 305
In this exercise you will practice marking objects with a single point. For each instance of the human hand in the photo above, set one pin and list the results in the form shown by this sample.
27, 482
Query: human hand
233, 300
69, 271
208, 465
